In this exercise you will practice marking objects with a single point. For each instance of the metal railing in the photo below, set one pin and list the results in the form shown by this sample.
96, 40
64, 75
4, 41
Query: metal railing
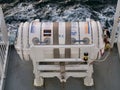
115, 25
3, 63
4, 45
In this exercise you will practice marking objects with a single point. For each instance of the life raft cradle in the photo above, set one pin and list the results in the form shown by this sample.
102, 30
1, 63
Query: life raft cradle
62, 68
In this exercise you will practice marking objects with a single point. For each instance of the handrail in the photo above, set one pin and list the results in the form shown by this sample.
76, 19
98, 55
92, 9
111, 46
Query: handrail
115, 25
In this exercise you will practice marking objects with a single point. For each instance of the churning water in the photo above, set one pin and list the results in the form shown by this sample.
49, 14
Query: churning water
58, 12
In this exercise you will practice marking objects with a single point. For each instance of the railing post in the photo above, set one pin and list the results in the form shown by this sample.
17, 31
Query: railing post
115, 25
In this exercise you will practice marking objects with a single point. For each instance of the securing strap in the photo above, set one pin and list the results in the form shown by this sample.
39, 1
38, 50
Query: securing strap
55, 40
68, 39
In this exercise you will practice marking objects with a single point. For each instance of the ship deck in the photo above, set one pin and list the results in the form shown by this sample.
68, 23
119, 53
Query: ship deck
20, 77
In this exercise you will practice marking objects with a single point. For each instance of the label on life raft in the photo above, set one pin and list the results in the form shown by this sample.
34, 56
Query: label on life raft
74, 28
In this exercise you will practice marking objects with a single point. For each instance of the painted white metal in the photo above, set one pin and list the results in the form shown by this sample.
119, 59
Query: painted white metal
4, 44
57, 67
115, 25
41, 54
64, 46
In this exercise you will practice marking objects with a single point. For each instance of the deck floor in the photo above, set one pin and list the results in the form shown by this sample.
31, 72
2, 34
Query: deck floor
106, 76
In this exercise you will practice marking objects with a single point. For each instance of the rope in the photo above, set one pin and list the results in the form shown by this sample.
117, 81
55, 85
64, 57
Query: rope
102, 60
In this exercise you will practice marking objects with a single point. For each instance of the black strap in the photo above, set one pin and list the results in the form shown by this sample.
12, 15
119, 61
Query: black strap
55, 39
68, 39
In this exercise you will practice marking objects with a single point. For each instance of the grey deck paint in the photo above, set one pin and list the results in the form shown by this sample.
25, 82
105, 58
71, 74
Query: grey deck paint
106, 76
